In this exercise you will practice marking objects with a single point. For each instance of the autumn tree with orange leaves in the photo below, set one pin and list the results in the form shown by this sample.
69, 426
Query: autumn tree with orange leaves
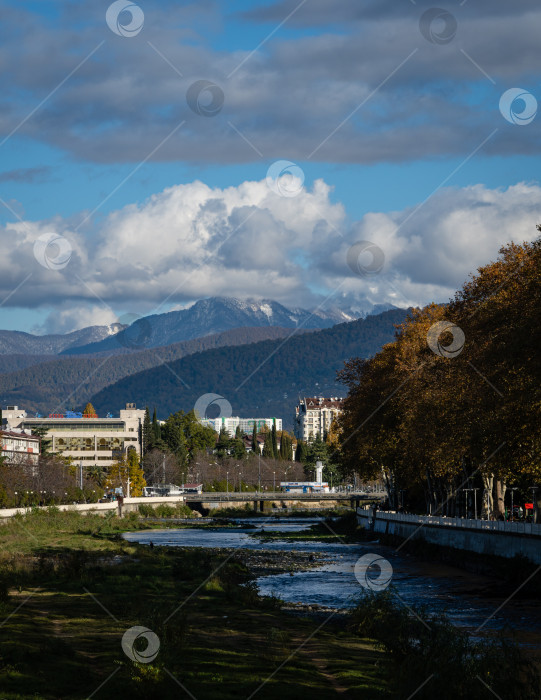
435, 422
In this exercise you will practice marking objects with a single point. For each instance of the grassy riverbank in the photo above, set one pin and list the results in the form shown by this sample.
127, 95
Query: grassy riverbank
343, 530
70, 587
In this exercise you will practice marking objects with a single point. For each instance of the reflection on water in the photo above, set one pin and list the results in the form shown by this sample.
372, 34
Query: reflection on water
334, 585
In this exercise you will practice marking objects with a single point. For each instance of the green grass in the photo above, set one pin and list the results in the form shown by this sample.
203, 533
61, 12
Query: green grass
344, 530
70, 587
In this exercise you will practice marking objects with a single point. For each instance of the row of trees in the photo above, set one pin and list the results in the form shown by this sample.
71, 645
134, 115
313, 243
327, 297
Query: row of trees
455, 401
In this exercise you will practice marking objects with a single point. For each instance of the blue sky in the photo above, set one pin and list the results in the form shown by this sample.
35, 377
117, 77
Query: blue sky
383, 106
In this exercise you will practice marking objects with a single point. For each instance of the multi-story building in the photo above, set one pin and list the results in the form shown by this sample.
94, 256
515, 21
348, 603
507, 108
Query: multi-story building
246, 425
314, 416
87, 439
19, 447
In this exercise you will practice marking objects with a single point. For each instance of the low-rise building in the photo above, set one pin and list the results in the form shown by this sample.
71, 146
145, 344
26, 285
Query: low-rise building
314, 416
90, 440
20, 447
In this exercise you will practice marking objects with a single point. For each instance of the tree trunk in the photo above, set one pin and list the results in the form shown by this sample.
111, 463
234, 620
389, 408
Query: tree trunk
488, 500
500, 488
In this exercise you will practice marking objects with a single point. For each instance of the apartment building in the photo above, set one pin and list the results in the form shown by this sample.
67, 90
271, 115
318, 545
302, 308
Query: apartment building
19, 447
314, 416
246, 425
88, 440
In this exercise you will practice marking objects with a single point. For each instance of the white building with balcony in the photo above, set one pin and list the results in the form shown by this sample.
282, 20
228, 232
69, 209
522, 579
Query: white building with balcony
19, 447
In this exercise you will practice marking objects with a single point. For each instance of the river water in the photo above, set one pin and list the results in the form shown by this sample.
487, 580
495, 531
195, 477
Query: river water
438, 588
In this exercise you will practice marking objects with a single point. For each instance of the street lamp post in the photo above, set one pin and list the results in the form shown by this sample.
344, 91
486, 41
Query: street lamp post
227, 482
533, 489
274, 481
475, 501
515, 488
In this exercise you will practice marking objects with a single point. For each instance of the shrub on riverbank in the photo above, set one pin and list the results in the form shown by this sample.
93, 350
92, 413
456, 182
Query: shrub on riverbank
165, 511
431, 657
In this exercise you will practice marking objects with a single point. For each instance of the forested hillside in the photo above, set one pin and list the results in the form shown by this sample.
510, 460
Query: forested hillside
261, 379
60, 383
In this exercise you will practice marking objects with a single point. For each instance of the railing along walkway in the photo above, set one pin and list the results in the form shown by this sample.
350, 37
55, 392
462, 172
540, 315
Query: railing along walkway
464, 523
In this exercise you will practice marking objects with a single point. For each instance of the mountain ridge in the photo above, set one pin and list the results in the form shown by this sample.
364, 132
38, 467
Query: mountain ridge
44, 387
259, 379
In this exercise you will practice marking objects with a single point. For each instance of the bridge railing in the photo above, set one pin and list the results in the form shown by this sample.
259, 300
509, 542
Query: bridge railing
466, 523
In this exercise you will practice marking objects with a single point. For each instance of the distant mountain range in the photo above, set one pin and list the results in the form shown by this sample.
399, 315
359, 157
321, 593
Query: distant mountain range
54, 384
209, 316
259, 379
16, 342
205, 317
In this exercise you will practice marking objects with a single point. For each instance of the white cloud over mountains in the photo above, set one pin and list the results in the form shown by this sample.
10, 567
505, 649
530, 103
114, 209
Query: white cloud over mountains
192, 241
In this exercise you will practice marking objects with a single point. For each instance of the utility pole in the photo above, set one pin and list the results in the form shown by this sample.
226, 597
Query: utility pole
259, 473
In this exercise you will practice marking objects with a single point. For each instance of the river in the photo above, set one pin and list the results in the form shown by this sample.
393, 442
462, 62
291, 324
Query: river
438, 588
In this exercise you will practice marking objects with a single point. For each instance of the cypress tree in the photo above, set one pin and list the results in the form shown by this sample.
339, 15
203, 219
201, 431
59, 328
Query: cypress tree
147, 433
156, 428
267, 447
274, 441
255, 447
300, 455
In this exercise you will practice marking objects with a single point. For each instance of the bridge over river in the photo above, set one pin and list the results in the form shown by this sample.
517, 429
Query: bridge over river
208, 500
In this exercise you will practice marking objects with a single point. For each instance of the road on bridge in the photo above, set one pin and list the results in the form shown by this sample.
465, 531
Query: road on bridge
207, 496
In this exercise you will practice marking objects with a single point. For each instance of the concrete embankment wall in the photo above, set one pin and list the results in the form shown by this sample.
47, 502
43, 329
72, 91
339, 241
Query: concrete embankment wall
130, 505
484, 537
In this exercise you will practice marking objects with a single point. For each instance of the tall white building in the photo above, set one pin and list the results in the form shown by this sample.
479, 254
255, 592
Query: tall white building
314, 416
90, 440
246, 424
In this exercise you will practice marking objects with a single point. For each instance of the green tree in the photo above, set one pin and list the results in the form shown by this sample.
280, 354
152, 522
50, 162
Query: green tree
268, 452
148, 437
255, 446
275, 452
300, 453
45, 442
156, 428
224, 443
